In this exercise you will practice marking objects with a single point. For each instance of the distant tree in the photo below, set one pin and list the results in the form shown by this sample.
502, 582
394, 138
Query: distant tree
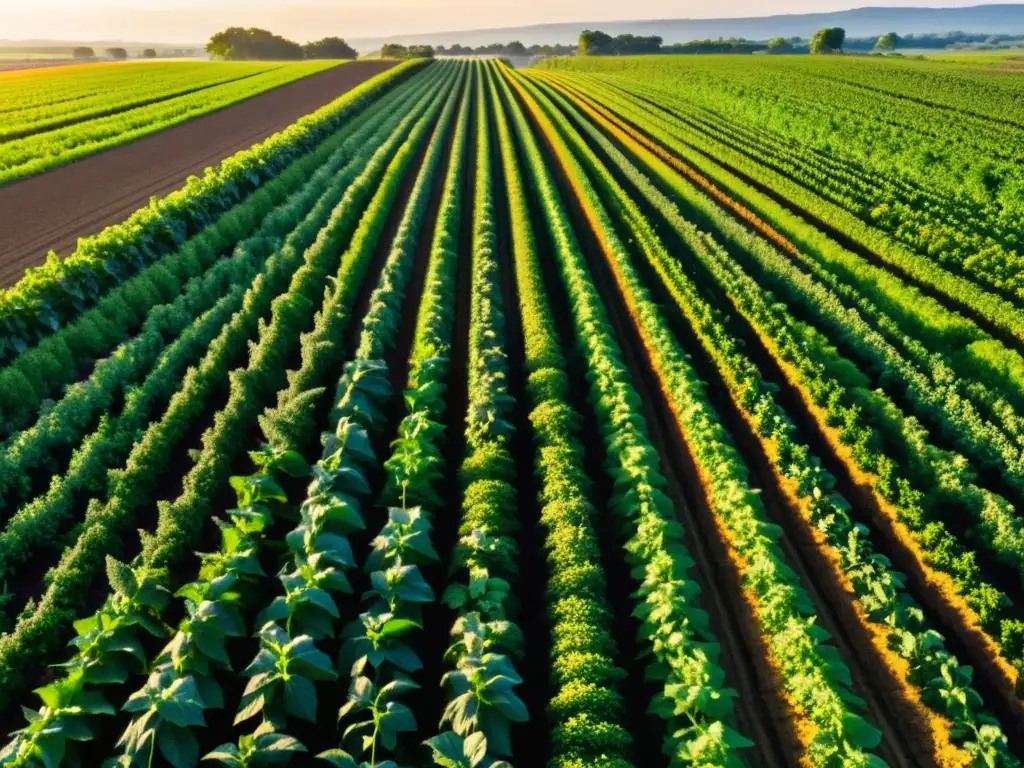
149, 53
117, 53
828, 40
83, 53
394, 51
779, 45
329, 48
890, 41
626, 45
397, 51
252, 44
595, 43
735, 45
516, 48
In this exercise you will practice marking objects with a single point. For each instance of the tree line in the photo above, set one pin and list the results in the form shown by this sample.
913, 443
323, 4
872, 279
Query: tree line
254, 44
598, 43
825, 41
399, 51
84, 52
514, 48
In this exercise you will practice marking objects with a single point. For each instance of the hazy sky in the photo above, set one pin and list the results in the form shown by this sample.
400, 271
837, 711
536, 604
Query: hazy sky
194, 20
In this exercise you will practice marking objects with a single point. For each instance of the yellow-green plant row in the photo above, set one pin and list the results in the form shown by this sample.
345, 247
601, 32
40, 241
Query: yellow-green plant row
35, 140
569, 417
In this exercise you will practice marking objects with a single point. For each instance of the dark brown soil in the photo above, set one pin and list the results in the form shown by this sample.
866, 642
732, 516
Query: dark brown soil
51, 211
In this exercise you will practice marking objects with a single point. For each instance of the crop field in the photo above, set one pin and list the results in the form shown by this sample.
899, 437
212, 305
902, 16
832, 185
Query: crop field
650, 412
53, 116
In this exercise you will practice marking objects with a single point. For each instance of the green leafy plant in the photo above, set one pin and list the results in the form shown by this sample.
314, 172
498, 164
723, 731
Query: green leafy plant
380, 718
481, 698
166, 709
281, 678
263, 748
450, 750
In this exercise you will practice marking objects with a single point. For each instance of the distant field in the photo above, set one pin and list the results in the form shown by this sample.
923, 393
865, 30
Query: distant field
1011, 58
49, 117
7, 54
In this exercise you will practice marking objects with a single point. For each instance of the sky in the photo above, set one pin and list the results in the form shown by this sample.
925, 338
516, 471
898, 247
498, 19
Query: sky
193, 21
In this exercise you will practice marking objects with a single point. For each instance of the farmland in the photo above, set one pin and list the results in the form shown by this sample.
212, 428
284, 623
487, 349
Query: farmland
652, 411
51, 117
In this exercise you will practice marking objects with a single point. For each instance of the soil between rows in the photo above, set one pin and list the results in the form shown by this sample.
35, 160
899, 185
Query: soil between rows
53, 210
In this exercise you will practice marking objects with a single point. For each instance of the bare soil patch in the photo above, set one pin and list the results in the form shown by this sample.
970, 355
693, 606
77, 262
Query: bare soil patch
51, 211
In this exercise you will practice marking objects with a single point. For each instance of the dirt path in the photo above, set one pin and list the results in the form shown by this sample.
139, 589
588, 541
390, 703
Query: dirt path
51, 211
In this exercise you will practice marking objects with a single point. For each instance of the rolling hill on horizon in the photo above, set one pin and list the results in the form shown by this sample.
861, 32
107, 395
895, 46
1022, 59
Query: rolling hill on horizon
858, 22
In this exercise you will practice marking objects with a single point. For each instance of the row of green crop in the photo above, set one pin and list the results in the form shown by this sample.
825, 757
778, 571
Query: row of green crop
979, 387
929, 387
812, 101
908, 472
814, 675
935, 394
966, 238
585, 709
30, 91
914, 312
248, 392
38, 521
675, 630
61, 427
281, 677
183, 680
481, 702
39, 372
48, 297
78, 108
993, 309
931, 320
23, 155
879, 590
974, 415
918, 478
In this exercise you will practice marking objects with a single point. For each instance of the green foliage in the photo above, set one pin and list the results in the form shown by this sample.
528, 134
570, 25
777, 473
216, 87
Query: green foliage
179, 522
890, 41
399, 51
253, 44
829, 40
933, 668
49, 295
597, 43
265, 748
329, 48
450, 750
